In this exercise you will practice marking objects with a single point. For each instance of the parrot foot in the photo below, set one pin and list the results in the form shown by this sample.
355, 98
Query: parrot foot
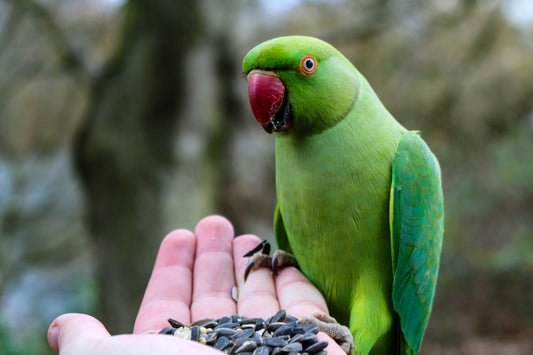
260, 258
331, 327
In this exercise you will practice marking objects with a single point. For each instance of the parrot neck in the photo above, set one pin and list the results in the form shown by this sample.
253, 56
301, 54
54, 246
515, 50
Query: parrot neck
367, 120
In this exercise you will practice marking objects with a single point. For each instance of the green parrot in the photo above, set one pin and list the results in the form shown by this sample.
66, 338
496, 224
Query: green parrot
359, 197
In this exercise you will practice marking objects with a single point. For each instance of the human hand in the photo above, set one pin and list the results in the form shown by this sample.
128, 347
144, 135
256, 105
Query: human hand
192, 279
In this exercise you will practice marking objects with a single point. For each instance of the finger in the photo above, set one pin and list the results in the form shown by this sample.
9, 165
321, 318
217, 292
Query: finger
75, 331
333, 348
297, 295
169, 289
213, 269
257, 296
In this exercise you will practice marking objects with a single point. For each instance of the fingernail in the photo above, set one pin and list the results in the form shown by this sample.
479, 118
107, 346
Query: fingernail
53, 336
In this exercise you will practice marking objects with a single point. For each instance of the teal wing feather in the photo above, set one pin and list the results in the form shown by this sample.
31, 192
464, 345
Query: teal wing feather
417, 226
280, 232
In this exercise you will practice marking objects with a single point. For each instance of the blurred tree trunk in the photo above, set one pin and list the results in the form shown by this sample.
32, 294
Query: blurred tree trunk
229, 119
223, 129
125, 144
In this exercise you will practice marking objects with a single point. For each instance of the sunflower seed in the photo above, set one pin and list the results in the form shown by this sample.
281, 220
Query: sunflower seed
263, 350
229, 325
166, 330
224, 320
245, 333
277, 342
227, 332
222, 343
175, 324
292, 347
195, 333
316, 347
278, 317
285, 329
248, 346
206, 323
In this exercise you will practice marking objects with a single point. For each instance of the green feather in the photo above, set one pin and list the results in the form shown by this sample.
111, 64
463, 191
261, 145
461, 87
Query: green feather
417, 226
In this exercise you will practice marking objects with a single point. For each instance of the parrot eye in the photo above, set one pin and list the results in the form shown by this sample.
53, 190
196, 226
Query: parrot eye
308, 65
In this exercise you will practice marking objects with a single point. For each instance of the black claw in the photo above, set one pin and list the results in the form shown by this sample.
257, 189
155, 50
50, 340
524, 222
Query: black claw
264, 246
248, 269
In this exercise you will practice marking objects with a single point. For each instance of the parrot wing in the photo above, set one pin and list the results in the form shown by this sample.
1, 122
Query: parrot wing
279, 231
417, 226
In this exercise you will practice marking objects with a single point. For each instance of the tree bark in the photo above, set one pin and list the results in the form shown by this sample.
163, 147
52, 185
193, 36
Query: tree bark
125, 144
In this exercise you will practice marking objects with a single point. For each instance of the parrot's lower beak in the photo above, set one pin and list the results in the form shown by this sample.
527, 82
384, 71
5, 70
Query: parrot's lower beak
282, 119
269, 101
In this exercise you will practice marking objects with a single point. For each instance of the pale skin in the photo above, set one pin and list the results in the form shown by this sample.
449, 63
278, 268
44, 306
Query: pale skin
192, 279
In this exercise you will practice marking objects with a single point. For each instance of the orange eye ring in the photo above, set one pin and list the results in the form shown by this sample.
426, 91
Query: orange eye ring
308, 65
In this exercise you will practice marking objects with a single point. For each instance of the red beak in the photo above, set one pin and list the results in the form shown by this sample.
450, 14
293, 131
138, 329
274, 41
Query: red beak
267, 93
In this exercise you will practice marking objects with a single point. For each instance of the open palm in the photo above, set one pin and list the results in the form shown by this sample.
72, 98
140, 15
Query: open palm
192, 279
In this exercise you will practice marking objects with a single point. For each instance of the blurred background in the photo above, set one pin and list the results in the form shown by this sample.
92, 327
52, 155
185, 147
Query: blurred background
121, 120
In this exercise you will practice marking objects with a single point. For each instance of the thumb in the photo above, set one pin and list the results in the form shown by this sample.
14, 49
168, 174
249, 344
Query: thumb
71, 332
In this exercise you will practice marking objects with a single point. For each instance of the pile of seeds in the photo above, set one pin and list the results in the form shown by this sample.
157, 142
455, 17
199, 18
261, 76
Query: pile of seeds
279, 334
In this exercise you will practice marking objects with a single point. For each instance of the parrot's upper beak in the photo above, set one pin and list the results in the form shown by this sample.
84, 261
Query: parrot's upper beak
269, 101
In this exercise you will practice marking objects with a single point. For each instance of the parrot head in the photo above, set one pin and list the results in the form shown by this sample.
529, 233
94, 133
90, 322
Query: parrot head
299, 84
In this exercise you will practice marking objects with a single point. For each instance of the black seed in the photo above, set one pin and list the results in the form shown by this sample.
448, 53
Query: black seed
175, 324
195, 333
277, 342
249, 320
286, 329
225, 332
235, 318
316, 347
278, 317
276, 350
292, 347
297, 338
224, 320
309, 328
290, 319
245, 333
274, 326
237, 343
263, 350
247, 346
323, 352
211, 338
257, 338
166, 330
206, 323
260, 324
298, 329
309, 338
221, 343
231, 325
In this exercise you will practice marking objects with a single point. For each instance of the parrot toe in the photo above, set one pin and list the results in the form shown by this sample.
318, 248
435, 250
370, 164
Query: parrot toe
259, 257
329, 325
256, 261
282, 259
